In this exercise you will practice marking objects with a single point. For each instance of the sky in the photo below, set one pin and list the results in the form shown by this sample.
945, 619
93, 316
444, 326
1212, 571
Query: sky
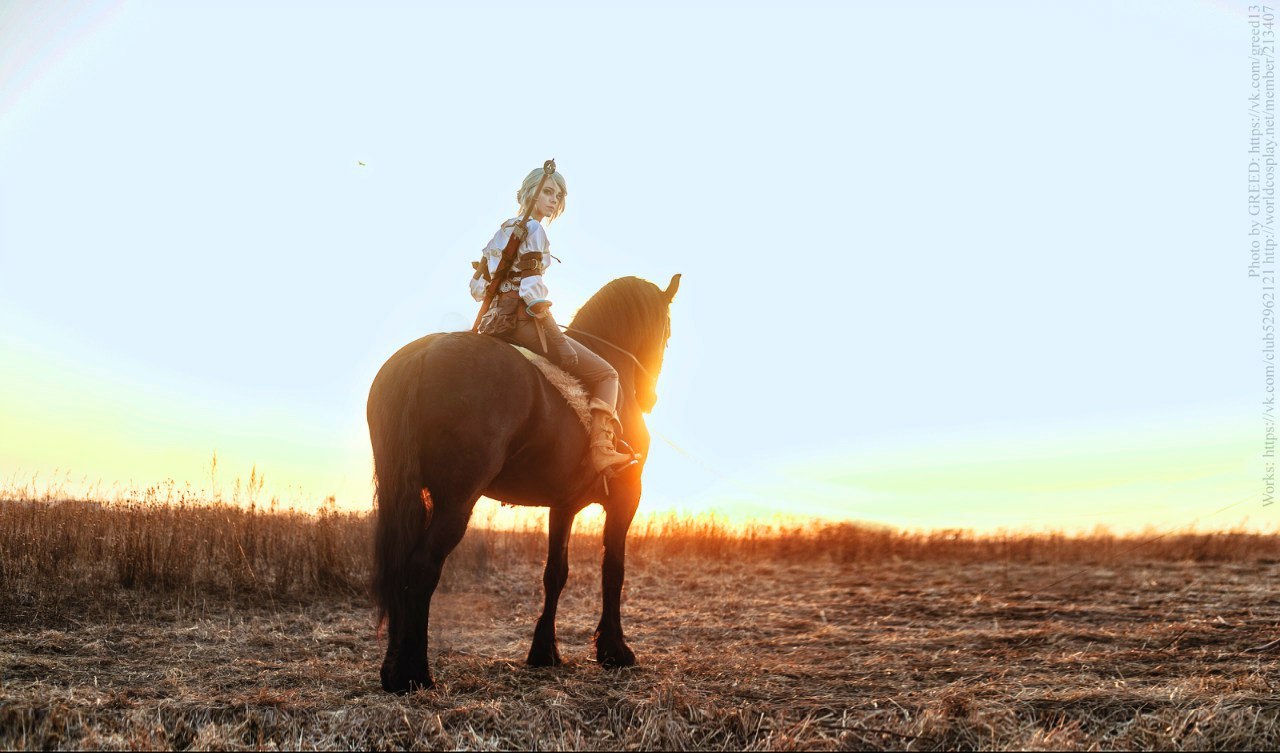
942, 264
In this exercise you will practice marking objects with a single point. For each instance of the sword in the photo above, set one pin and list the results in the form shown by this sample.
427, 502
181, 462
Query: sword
511, 251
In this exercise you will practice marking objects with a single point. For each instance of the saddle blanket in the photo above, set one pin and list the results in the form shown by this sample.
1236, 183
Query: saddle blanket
574, 393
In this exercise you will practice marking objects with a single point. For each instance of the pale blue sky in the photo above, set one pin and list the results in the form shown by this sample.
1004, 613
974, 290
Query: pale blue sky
909, 230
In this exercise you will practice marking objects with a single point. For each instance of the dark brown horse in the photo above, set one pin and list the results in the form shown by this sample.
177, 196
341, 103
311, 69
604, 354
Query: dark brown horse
454, 416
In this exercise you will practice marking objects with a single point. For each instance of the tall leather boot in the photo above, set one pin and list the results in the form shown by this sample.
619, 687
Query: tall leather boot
604, 455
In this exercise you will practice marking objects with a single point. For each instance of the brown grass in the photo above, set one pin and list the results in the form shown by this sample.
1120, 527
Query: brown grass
164, 621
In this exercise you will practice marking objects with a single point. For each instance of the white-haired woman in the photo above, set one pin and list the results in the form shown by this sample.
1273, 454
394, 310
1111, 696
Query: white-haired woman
522, 304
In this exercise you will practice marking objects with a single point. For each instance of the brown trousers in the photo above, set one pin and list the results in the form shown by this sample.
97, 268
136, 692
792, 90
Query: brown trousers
595, 373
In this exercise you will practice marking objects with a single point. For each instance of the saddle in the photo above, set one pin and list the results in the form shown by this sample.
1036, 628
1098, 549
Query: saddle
568, 385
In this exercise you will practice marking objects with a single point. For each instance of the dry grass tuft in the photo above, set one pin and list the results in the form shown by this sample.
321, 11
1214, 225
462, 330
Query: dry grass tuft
179, 623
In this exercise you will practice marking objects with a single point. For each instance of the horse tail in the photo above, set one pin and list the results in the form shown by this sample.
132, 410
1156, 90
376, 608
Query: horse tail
401, 499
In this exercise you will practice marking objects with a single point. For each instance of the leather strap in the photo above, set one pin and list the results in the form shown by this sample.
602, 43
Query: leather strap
530, 264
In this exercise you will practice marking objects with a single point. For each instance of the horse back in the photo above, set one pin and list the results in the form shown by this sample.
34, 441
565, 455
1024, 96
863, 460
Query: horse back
479, 410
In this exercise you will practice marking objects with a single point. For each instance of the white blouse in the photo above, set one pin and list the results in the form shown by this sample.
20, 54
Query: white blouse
532, 289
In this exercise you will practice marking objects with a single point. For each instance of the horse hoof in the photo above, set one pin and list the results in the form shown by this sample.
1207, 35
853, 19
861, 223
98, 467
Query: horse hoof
615, 658
540, 657
400, 684
405, 687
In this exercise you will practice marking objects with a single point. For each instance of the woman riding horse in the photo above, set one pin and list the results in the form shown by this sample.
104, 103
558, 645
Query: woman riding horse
521, 307
456, 415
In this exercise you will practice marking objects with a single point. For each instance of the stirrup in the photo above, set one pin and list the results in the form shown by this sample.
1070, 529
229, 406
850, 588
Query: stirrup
609, 471
613, 470
621, 446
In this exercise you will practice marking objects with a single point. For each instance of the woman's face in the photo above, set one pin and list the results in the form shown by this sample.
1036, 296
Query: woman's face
548, 199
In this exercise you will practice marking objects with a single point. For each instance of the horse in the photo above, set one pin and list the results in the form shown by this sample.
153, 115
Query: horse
453, 416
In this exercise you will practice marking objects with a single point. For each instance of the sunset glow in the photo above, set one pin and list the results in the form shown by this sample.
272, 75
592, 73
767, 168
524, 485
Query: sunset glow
205, 253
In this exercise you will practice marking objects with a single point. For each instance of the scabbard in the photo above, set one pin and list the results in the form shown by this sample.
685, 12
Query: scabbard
542, 335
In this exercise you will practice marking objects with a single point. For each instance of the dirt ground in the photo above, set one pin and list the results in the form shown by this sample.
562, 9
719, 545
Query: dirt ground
755, 655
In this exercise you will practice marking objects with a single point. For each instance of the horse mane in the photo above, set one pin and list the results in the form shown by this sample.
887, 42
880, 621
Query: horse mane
626, 311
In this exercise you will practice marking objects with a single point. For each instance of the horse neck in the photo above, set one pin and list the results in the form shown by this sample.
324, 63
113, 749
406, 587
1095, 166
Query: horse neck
621, 361
604, 347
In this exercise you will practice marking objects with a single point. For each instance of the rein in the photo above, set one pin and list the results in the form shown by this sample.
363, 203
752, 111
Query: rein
623, 351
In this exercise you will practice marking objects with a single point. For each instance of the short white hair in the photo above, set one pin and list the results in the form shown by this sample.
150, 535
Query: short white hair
530, 184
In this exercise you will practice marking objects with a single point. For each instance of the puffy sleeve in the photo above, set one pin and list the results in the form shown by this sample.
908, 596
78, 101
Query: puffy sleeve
533, 289
492, 254
493, 251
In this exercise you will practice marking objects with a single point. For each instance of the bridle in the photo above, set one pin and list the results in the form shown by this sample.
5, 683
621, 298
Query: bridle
621, 350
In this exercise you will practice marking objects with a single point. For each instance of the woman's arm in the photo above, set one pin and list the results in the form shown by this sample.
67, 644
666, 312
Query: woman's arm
533, 290
492, 256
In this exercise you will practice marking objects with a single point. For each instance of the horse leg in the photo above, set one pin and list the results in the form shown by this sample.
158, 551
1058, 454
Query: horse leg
611, 648
544, 653
405, 667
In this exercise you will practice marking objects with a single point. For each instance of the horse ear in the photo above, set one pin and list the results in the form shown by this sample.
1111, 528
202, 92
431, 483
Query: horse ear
672, 287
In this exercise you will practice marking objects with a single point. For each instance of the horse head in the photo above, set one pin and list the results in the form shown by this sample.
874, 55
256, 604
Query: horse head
629, 319
651, 357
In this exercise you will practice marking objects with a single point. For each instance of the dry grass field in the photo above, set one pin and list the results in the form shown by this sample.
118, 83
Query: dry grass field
163, 622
